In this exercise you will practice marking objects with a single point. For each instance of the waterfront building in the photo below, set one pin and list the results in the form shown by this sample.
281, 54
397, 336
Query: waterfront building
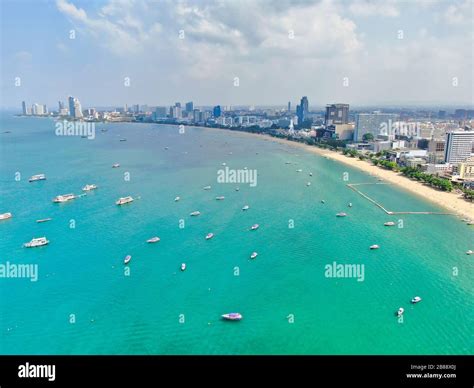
216, 111
189, 106
336, 114
459, 146
375, 123
23, 108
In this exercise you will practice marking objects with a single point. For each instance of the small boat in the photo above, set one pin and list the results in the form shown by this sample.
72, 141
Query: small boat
287, 162
5, 216
246, 207
323, 201
116, 165
237, 189
299, 170
123, 139
84, 137
89, 187
253, 255
103, 130
310, 174
223, 164
470, 223
177, 199
207, 187
167, 148
153, 240
416, 299
43, 220
342, 214
308, 184
469, 252
183, 266
232, 316
124, 200
36, 242
194, 214
209, 236
400, 312
221, 198
64, 198
254, 227
375, 246
38, 177
350, 204
127, 259
389, 223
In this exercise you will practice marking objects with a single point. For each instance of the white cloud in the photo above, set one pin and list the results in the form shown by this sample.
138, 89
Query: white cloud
374, 8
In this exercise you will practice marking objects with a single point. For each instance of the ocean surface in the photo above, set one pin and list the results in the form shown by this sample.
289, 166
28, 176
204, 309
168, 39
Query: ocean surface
84, 302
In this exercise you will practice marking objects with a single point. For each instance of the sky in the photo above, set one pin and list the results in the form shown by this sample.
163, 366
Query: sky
236, 52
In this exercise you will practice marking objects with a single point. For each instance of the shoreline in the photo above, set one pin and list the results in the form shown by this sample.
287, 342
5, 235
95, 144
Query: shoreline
452, 202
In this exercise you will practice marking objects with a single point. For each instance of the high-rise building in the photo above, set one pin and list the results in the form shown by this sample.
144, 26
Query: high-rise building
217, 111
337, 114
23, 108
196, 115
160, 112
45, 109
71, 106
442, 114
189, 106
77, 109
178, 104
60, 106
302, 110
37, 109
374, 123
176, 112
136, 109
459, 146
460, 114
289, 106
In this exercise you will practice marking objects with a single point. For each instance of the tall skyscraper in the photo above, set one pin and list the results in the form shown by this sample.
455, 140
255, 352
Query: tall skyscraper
337, 114
178, 104
60, 106
217, 111
176, 111
374, 123
77, 109
23, 108
189, 106
289, 106
71, 106
459, 146
302, 110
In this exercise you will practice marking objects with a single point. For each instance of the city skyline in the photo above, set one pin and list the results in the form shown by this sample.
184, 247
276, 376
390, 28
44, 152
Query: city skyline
354, 52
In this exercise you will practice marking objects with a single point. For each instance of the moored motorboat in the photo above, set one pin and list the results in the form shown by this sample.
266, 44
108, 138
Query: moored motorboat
209, 236
89, 187
246, 207
323, 201
469, 252
127, 259
310, 174
115, 165
237, 189
375, 246
64, 198
342, 214
308, 184
37, 177
124, 200
207, 187
389, 223
183, 266
232, 316
177, 199
36, 242
153, 240
299, 170
220, 198
254, 227
5, 216
43, 220
416, 299
195, 213
350, 204
253, 255
400, 312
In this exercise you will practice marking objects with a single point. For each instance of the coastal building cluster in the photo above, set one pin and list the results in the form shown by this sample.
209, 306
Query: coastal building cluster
439, 143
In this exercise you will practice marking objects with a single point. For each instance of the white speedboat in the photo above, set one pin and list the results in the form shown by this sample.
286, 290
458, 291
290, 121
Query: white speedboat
5, 216
375, 246
220, 198
195, 214
124, 200
254, 227
89, 187
246, 207
64, 198
323, 201
224, 164
36, 242
389, 223
299, 170
310, 174
308, 184
232, 316
177, 199
116, 165
207, 187
153, 240
209, 236
38, 177
350, 204
416, 299
342, 214
237, 189
253, 255
287, 162
43, 220
400, 312
123, 139
183, 266
469, 252
127, 259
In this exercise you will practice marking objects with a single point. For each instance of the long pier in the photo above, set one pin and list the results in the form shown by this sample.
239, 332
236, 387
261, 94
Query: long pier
379, 205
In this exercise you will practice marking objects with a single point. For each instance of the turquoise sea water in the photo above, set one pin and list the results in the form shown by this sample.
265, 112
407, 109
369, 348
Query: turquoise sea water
158, 309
